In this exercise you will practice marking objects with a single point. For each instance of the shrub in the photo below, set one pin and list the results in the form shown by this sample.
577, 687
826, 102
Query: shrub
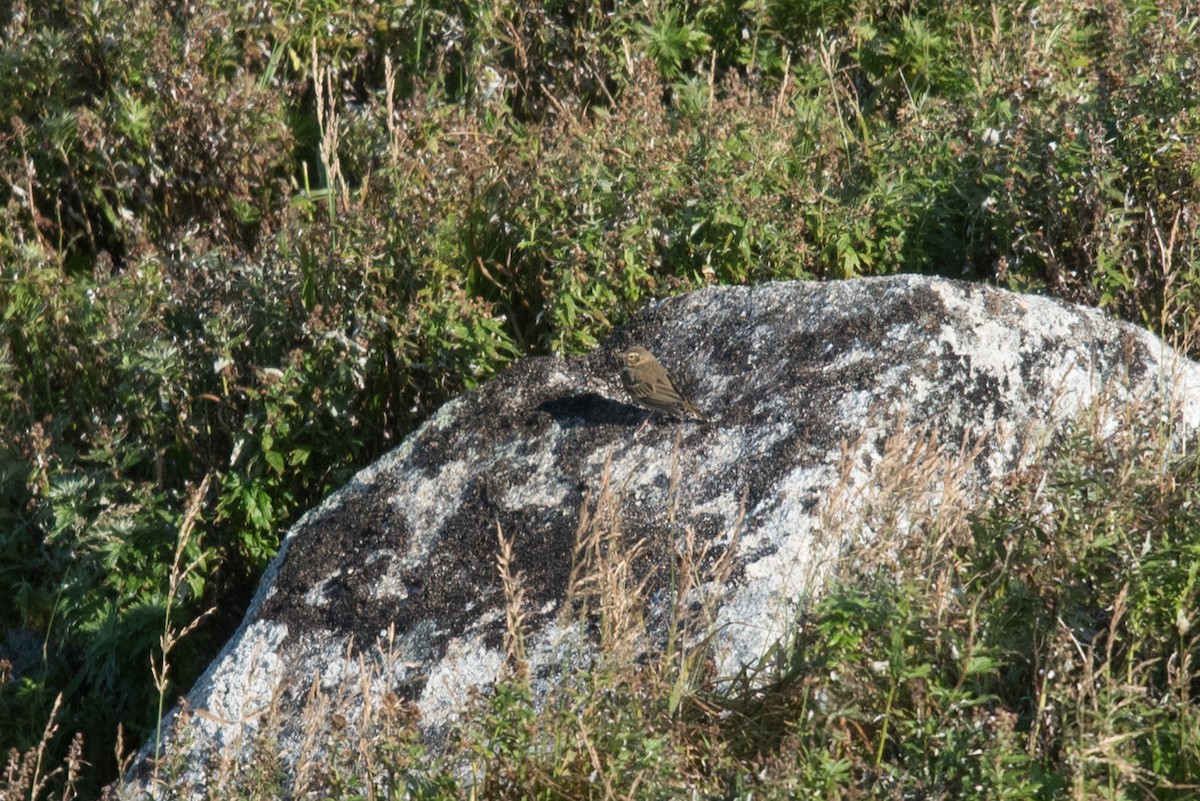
259, 242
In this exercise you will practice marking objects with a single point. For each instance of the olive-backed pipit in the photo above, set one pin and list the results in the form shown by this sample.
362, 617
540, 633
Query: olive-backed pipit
651, 386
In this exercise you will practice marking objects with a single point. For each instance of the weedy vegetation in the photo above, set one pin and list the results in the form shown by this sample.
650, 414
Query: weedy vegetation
247, 245
1041, 646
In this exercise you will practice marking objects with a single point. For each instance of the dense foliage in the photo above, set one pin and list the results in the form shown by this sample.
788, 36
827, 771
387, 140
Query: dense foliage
256, 242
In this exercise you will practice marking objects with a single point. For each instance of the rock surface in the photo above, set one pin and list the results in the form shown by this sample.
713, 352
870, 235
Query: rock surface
805, 384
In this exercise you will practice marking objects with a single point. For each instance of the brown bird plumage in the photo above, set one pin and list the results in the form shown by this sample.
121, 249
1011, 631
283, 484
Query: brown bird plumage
651, 386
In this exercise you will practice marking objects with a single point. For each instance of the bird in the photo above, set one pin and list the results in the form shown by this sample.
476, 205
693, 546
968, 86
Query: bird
651, 386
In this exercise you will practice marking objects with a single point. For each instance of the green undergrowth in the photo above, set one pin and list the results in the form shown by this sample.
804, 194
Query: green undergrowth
248, 245
1041, 647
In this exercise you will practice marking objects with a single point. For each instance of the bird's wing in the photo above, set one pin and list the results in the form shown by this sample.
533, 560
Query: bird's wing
669, 388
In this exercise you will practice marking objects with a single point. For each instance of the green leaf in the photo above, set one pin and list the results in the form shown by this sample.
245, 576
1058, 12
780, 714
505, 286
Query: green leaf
275, 460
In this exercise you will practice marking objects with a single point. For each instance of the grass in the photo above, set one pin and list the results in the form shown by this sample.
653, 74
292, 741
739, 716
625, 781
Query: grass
260, 242
1039, 646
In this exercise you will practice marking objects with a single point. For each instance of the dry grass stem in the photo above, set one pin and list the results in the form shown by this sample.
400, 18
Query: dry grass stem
516, 663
